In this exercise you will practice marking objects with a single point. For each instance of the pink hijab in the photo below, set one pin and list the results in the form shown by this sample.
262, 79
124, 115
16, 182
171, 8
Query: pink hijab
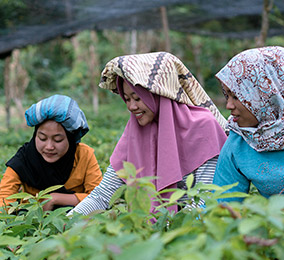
179, 140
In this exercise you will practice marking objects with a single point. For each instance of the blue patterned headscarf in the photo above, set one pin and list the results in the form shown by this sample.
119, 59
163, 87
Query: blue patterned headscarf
63, 110
256, 77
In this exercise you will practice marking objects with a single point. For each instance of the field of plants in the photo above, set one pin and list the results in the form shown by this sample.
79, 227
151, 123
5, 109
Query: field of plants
251, 230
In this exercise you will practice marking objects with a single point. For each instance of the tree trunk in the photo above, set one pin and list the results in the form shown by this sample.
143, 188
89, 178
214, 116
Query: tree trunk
133, 42
165, 28
94, 71
196, 51
18, 82
7, 92
267, 5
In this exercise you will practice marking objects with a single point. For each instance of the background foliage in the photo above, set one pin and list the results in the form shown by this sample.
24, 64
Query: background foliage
252, 230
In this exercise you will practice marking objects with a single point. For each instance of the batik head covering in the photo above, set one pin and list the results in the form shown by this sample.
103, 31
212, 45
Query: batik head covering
256, 77
61, 109
160, 73
28, 162
180, 138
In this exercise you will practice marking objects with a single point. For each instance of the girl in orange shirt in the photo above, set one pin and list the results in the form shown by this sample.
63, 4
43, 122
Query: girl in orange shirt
53, 156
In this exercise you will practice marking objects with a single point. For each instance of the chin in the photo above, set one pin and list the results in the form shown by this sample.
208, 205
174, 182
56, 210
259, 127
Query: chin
50, 160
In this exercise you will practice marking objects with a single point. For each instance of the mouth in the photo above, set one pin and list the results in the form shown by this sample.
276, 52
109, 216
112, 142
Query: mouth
139, 115
49, 154
235, 118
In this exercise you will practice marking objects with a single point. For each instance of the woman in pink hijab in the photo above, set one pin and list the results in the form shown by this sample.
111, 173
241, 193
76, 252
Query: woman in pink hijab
174, 128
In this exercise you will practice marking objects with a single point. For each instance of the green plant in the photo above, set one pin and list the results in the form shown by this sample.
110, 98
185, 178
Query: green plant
249, 230
24, 224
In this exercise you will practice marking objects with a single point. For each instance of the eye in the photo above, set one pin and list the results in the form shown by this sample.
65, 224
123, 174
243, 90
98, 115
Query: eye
58, 141
41, 137
136, 97
225, 94
126, 98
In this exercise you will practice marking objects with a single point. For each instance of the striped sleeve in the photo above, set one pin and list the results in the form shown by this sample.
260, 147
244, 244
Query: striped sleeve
100, 196
204, 174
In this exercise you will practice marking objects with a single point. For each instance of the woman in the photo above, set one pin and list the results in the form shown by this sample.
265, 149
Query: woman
54, 155
169, 134
253, 83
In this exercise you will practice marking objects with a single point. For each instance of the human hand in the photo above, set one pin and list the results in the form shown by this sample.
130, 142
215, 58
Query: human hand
60, 199
50, 204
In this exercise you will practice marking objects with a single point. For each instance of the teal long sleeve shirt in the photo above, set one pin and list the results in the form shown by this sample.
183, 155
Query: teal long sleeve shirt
238, 162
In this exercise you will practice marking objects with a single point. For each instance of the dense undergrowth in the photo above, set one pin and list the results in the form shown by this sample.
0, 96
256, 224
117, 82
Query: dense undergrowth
251, 230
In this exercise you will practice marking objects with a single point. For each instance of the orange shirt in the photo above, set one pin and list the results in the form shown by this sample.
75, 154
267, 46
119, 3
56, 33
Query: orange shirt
85, 176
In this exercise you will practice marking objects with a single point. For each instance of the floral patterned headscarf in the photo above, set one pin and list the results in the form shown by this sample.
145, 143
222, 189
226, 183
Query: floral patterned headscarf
256, 77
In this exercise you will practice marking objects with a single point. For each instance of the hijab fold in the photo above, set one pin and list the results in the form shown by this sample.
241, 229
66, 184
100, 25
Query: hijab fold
180, 140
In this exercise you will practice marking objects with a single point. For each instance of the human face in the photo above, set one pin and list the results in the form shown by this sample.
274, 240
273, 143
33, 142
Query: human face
51, 141
135, 105
241, 115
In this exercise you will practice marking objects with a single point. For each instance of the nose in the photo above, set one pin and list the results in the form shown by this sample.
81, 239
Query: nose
49, 145
131, 105
230, 104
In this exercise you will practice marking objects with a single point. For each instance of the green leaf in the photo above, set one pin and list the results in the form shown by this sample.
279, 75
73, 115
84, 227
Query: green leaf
130, 168
114, 228
248, 225
189, 181
232, 195
216, 227
44, 249
19, 229
176, 195
48, 190
118, 193
123, 174
202, 186
144, 200
277, 222
10, 241
58, 223
130, 195
171, 235
21, 195
149, 250
228, 187
276, 204
46, 196
167, 190
2, 216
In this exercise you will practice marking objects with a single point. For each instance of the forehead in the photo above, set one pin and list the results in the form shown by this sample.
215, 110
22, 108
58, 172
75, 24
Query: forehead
226, 89
127, 89
51, 126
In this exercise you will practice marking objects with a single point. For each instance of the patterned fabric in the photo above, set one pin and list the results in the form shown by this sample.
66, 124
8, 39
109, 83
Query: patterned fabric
256, 77
63, 110
161, 73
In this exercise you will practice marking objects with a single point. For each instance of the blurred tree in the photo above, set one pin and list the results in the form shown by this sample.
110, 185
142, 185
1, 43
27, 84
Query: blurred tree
94, 70
165, 24
16, 82
267, 6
